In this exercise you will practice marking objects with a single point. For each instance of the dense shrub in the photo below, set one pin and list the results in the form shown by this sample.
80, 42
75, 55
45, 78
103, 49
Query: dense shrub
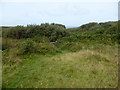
17, 32
49, 38
42, 39
90, 26
52, 31
112, 30
27, 47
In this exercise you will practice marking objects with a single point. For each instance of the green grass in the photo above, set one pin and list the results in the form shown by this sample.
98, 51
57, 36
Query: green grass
83, 57
92, 67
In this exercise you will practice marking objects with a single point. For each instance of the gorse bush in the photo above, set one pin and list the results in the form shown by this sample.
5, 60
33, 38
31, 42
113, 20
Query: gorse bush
51, 38
51, 31
17, 32
27, 47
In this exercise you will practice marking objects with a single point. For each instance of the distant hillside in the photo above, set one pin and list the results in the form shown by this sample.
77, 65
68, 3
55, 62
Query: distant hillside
56, 31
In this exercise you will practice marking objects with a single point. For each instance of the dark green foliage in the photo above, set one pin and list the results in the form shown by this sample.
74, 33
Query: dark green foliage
58, 34
58, 25
15, 32
89, 26
52, 31
41, 39
105, 25
51, 38
112, 30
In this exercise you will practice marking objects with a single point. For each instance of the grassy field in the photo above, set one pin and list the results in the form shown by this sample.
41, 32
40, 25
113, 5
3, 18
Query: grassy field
92, 67
51, 56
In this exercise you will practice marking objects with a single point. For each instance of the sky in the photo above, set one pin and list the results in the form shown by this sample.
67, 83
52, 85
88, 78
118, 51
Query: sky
70, 13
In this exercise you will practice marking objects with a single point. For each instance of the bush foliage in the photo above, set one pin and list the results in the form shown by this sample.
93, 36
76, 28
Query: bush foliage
51, 38
27, 47
51, 31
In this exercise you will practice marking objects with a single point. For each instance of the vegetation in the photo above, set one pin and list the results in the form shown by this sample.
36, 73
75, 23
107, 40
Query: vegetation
51, 56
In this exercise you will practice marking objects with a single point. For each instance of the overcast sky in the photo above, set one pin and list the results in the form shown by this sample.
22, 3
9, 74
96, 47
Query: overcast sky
71, 14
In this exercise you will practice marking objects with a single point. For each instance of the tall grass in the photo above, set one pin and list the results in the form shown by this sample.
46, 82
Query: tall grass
91, 67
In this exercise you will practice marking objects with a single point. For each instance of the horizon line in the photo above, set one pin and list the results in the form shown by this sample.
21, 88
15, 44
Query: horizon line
57, 23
